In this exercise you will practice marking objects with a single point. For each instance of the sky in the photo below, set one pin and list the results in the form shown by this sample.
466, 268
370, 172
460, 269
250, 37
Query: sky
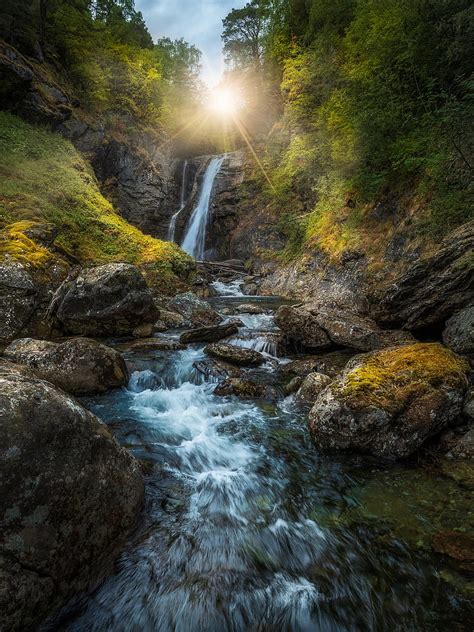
199, 22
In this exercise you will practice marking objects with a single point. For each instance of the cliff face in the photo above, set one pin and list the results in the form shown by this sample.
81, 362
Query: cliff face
136, 169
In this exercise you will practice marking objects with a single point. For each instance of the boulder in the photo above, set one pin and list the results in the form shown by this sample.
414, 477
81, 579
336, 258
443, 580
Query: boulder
144, 331
234, 354
215, 370
312, 386
332, 364
246, 389
320, 327
172, 320
468, 406
79, 366
387, 403
250, 308
108, 300
70, 495
434, 288
463, 446
194, 310
458, 334
155, 344
18, 298
209, 334
293, 385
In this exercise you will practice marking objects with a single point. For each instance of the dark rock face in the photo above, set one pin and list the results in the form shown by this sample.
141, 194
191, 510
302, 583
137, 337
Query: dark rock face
18, 299
138, 178
463, 447
194, 310
387, 403
234, 354
216, 370
459, 332
319, 327
111, 299
69, 495
209, 334
435, 288
79, 366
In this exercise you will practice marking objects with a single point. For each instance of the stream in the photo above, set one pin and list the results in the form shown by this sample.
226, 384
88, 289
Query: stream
247, 527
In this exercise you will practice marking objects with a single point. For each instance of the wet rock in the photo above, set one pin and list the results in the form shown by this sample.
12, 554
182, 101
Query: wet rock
216, 370
246, 389
18, 298
293, 385
172, 320
468, 406
434, 288
319, 327
144, 331
194, 310
463, 446
313, 384
250, 308
155, 344
209, 334
387, 403
301, 367
111, 299
456, 545
459, 332
70, 495
78, 366
234, 354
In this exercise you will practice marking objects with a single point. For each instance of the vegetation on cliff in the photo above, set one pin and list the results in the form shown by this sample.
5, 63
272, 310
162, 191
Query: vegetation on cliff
45, 179
374, 135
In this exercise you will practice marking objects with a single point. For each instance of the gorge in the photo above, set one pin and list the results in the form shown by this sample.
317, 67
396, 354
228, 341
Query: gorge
236, 325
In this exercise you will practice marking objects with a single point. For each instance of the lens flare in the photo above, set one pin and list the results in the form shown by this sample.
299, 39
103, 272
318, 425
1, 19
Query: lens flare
225, 101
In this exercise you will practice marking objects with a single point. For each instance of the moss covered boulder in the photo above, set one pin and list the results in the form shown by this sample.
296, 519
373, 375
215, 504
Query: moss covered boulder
387, 403
69, 497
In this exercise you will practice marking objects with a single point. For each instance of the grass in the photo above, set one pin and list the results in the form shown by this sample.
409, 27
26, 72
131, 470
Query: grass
44, 179
392, 377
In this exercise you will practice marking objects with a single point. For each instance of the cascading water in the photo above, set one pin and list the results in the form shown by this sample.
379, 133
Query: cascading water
246, 526
182, 204
194, 241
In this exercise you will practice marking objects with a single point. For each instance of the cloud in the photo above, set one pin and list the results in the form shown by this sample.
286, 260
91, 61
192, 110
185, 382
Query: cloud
198, 21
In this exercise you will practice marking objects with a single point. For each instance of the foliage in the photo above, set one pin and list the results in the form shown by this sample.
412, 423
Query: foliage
378, 97
44, 179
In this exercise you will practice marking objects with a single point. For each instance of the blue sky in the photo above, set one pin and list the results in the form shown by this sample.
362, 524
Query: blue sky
198, 21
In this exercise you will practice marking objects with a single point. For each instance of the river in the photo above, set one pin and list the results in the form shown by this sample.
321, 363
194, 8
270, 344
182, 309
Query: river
247, 527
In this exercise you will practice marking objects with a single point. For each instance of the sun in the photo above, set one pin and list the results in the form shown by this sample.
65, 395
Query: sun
224, 101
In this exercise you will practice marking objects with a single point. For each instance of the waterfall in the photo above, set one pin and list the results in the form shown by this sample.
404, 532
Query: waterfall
182, 204
195, 238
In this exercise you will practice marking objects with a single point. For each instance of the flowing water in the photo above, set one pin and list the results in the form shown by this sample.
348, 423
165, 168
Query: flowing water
182, 204
194, 241
247, 527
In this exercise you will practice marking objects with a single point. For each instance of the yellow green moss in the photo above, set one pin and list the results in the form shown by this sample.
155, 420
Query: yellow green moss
43, 178
15, 245
390, 377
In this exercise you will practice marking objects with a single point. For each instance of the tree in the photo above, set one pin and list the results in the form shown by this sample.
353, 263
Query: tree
244, 33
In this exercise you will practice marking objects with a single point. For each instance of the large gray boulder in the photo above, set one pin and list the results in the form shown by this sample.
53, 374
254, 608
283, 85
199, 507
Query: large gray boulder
108, 300
69, 497
313, 384
196, 311
18, 298
79, 366
433, 289
459, 331
320, 327
387, 403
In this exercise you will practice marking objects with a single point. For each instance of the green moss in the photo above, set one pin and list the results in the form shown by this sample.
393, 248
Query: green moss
15, 245
390, 378
43, 178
